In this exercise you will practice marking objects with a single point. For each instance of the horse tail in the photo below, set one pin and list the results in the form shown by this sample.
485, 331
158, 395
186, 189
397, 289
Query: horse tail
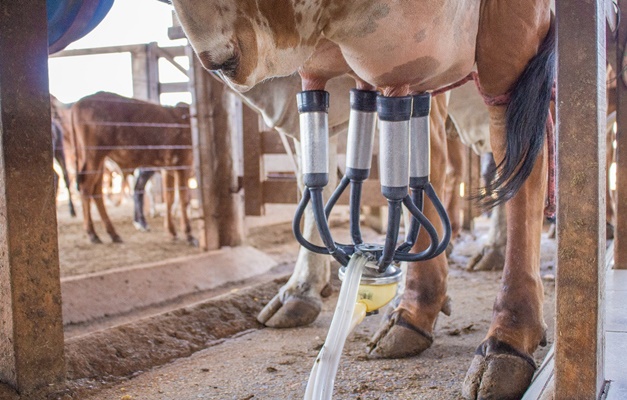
526, 119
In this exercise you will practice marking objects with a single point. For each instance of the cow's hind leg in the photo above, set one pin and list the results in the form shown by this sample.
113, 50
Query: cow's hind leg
168, 186
184, 197
139, 219
492, 256
510, 36
299, 301
87, 187
99, 200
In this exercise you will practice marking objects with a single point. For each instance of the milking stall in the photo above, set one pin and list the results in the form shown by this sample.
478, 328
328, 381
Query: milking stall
296, 239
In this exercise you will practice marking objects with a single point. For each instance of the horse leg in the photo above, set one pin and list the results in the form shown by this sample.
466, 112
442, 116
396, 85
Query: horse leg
168, 184
299, 301
139, 220
510, 35
408, 330
184, 197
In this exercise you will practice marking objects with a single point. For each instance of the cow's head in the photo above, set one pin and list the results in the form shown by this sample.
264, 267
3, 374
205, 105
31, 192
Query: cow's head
248, 41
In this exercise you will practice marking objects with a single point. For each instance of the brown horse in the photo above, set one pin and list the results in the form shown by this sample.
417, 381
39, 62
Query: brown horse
409, 47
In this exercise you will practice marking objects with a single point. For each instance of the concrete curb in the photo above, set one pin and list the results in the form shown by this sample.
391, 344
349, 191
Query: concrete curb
92, 296
126, 349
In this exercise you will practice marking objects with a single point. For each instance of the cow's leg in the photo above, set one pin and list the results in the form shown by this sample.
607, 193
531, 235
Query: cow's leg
456, 161
609, 203
139, 220
99, 200
87, 190
408, 330
299, 301
184, 196
168, 185
510, 35
492, 256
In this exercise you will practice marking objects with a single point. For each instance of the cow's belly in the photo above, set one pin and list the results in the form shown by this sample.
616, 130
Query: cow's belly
425, 44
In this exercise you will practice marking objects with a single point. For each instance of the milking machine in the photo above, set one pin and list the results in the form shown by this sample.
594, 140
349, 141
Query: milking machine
370, 271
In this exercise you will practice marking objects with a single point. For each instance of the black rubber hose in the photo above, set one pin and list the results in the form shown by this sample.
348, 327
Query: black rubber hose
414, 225
354, 206
391, 236
336, 195
298, 216
317, 204
446, 222
433, 235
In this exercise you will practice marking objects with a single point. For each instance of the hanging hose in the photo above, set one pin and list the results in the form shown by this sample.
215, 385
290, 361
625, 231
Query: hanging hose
322, 377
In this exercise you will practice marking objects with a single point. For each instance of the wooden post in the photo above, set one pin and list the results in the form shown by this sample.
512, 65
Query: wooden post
146, 73
209, 128
253, 164
31, 327
230, 203
620, 242
581, 109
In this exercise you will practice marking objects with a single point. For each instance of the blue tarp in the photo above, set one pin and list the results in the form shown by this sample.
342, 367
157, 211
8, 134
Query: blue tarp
70, 20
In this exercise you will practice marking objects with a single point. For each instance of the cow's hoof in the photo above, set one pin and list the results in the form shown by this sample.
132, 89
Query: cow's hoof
95, 239
117, 239
192, 241
398, 339
293, 311
490, 259
141, 226
498, 376
449, 249
609, 231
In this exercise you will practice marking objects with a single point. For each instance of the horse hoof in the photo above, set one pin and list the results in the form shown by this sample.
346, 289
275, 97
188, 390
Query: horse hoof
398, 339
489, 259
117, 239
292, 312
95, 239
498, 377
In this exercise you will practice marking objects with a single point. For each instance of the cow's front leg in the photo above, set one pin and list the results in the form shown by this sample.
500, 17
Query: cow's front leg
408, 330
299, 301
503, 365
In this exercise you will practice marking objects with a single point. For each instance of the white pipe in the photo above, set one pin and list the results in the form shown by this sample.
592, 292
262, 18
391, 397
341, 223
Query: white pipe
322, 377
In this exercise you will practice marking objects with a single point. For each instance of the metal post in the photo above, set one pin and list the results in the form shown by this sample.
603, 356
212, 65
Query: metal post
581, 109
31, 327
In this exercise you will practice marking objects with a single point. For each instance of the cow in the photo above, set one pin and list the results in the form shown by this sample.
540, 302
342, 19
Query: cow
411, 47
59, 155
134, 134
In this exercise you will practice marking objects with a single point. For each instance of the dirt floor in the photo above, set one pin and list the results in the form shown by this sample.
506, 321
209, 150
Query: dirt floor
275, 364
79, 256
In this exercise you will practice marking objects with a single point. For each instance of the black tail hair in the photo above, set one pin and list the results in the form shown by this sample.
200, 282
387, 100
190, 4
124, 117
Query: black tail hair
526, 118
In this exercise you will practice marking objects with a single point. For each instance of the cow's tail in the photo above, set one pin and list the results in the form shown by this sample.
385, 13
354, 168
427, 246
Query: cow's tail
526, 119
